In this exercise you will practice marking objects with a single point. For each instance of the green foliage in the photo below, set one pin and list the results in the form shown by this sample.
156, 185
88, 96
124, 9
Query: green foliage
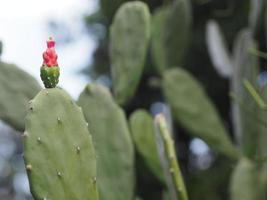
169, 45
218, 50
158, 52
129, 37
256, 17
177, 32
16, 89
245, 183
115, 153
142, 130
193, 109
246, 66
58, 150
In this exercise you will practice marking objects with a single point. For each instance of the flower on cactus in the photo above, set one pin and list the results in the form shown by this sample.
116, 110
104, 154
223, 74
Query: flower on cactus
50, 56
50, 70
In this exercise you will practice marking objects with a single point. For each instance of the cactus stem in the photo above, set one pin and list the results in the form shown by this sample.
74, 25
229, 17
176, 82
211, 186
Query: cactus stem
177, 179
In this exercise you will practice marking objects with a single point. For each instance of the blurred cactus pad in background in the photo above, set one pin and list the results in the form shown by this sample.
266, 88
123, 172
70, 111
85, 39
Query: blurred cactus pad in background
181, 115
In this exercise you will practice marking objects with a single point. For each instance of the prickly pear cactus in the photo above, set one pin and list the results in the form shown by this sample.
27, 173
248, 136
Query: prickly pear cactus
177, 37
16, 89
50, 70
129, 35
262, 138
246, 66
193, 110
246, 183
114, 148
142, 130
218, 51
58, 150
158, 52
175, 182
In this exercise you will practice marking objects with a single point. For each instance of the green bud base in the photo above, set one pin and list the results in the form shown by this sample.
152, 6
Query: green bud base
49, 76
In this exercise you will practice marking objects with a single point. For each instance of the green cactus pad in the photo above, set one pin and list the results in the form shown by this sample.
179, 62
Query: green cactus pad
177, 32
142, 130
16, 89
245, 183
58, 150
158, 51
129, 35
262, 137
217, 48
50, 76
112, 139
246, 66
193, 109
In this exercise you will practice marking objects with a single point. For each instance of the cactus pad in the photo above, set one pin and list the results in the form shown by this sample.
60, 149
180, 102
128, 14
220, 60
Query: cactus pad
142, 130
16, 88
158, 51
114, 148
129, 35
58, 150
193, 109
177, 38
246, 183
246, 66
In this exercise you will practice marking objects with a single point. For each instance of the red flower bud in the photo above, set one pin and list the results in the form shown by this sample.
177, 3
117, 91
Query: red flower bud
50, 56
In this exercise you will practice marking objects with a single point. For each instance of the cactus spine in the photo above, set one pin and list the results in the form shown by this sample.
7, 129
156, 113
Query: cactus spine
16, 88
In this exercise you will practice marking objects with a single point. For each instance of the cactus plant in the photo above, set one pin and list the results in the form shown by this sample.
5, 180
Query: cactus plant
173, 169
58, 149
245, 177
62, 165
142, 130
185, 95
169, 45
158, 52
178, 37
246, 66
130, 28
218, 51
114, 148
15, 94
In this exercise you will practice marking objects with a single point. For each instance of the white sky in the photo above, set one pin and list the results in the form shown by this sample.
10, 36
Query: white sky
23, 29
22, 9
